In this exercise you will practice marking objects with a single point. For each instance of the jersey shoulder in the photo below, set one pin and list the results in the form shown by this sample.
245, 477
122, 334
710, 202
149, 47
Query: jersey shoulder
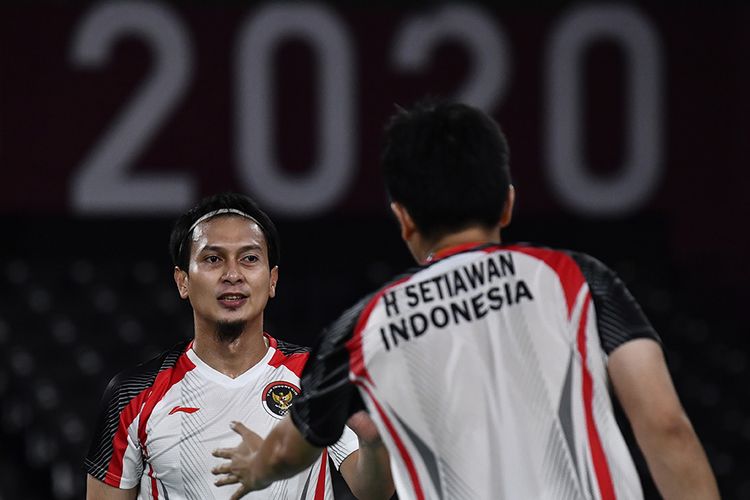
619, 316
132, 381
571, 264
595, 271
288, 355
125, 391
288, 349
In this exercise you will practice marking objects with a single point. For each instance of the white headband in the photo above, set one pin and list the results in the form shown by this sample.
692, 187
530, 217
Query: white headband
214, 213
223, 211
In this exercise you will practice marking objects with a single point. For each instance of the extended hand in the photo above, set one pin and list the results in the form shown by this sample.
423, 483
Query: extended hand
365, 429
237, 470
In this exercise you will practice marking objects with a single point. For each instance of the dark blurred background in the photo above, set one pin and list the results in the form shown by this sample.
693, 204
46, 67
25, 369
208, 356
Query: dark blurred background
628, 126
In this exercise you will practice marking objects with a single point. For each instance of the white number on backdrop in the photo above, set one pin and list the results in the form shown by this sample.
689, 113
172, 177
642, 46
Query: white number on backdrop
472, 27
102, 183
330, 176
578, 188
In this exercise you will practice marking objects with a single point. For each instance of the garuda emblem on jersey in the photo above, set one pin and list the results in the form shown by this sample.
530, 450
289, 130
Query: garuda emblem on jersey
278, 397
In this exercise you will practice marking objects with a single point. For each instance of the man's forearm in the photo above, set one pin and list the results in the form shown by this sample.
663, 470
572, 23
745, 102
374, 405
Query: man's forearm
372, 475
367, 471
664, 433
678, 463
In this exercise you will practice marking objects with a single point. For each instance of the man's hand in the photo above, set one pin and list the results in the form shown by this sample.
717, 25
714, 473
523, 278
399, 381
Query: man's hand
256, 463
365, 429
237, 470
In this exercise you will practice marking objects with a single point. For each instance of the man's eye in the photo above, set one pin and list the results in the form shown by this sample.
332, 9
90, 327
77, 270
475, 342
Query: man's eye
250, 258
212, 259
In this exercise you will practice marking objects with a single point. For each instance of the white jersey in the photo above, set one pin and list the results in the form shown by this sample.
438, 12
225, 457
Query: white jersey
485, 371
162, 420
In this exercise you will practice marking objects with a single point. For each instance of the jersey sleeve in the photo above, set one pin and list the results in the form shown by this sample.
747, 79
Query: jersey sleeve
114, 456
619, 317
328, 397
345, 446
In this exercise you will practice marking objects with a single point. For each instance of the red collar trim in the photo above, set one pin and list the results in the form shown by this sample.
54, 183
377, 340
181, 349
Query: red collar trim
448, 251
271, 341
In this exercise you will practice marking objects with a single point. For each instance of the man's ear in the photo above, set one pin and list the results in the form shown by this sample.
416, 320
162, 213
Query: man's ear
510, 200
182, 280
405, 222
274, 280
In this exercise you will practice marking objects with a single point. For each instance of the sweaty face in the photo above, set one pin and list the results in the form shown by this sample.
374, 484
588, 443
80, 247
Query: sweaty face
229, 281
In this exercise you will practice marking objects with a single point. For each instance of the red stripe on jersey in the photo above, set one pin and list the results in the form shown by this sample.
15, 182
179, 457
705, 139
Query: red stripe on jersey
154, 486
603, 477
320, 487
354, 344
164, 381
570, 275
399, 444
120, 439
295, 362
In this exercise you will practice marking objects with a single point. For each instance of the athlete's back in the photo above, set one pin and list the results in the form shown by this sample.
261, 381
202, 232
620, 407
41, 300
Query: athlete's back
485, 373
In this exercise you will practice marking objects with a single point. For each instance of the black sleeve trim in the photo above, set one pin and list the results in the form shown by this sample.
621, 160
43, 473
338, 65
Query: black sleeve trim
619, 317
328, 397
287, 348
119, 393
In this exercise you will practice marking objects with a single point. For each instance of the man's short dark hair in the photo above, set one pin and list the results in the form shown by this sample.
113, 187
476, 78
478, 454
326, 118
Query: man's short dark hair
180, 239
447, 163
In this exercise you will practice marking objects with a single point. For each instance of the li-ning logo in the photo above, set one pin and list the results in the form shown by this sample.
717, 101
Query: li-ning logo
278, 397
186, 409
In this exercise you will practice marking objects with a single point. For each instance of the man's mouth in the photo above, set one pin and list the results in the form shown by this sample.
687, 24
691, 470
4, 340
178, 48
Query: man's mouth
232, 300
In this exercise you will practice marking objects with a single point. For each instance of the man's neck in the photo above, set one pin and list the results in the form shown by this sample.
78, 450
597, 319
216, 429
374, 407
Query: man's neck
474, 234
230, 358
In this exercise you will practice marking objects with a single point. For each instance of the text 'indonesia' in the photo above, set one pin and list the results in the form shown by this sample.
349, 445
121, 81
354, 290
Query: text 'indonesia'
462, 295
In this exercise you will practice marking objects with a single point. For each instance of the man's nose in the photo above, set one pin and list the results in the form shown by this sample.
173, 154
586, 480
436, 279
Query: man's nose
232, 272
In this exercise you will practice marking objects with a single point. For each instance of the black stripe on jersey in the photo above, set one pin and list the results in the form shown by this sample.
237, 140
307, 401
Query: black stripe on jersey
619, 318
287, 348
337, 453
121, 390
328, 397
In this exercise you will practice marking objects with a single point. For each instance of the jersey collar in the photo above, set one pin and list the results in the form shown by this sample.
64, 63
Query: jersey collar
249, 375
453, 250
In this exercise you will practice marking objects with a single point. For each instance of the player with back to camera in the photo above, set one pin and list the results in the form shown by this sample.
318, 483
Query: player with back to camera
160, 420
486, 368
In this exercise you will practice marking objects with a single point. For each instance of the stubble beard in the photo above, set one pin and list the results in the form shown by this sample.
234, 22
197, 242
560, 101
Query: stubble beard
229, 331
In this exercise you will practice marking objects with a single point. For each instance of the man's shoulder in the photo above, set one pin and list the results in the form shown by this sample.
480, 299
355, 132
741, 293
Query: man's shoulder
540, 251
594, 271
288, 355
135, 379
589, 265
289, 349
